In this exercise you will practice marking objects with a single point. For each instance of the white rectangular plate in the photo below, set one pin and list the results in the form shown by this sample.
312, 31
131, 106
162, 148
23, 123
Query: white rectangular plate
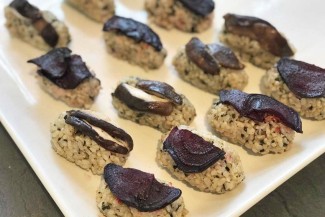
26, 111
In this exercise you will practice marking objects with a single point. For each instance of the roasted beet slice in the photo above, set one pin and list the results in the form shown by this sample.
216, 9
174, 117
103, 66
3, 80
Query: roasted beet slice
139, 189
191, 153
260, 30
133, 29
84, 123
199, 7
198, 53
225, 56
76, 73
133, 101
45, 29
257, 107
303, 79
160, 89
54, 63
63, 69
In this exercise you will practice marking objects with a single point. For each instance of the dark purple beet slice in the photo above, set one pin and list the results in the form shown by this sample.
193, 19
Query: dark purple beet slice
260, 30
54, 63
45, 29
199, 7
133, 29
83, 122
257, 107
191, 153
225, 56
75, 74
139, 189
198, 53
160, 89
303, 79
63, 69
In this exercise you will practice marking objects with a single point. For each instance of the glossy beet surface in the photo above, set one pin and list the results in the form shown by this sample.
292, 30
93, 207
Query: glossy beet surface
133, 29
59, 66
45, 29
199, 7
211, 57
191, 153
257, 107
303, 79
85, 122
260, 30
139, 189
160, 89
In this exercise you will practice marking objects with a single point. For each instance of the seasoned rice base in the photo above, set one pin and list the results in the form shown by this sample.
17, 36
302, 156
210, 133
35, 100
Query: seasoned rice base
191, 73
171, 13
80, 149
138, 53
98, 10
222, 176
23, 28
273, 85
182, 114
260, 137
82, 96
249, 50
109, 205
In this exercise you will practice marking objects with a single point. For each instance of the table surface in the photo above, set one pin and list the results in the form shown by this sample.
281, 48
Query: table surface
22, 193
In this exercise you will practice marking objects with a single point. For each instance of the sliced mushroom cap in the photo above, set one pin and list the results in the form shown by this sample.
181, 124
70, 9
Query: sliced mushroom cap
257, 107
47, 31
138, 99
260, 30
160, 89
45, 28
191, 153
303, 79
198, 53
225, 56
139, 189
199, 7
133, 29
103, 133
63, 69
210, 57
